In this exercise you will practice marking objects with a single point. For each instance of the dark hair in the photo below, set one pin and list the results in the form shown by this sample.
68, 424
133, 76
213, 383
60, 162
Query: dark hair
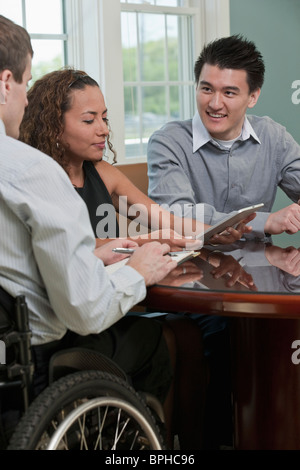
233, 52
48, 100
15, 46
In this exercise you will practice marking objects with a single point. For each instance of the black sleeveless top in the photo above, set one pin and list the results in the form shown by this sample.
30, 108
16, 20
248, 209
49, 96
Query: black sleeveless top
99, 203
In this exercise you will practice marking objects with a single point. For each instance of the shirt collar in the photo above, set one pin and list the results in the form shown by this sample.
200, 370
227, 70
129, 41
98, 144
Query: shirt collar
201, 136
248, 131
2, 127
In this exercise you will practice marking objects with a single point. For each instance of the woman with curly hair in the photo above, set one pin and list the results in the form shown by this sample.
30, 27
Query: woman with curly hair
67, 119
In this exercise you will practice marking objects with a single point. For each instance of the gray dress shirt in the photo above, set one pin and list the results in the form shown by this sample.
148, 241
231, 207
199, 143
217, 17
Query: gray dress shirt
187, 167
46, 250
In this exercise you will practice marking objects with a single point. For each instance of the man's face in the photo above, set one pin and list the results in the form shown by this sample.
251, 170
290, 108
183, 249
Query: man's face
16, 101
222, 100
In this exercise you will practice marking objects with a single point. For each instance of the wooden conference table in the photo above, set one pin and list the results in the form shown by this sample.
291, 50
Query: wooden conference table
265, 337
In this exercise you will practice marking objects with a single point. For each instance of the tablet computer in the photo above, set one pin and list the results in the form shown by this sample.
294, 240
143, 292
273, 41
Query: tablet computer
229, 221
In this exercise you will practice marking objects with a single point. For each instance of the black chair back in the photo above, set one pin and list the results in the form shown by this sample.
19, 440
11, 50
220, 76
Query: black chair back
17, 368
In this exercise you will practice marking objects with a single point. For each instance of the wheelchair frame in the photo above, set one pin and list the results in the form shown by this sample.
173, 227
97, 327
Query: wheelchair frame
90, 403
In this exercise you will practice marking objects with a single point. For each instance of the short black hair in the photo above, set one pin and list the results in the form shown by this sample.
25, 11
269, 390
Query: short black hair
233, 52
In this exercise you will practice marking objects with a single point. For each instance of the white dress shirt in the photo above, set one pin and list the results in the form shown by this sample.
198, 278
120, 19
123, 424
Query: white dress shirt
46, 250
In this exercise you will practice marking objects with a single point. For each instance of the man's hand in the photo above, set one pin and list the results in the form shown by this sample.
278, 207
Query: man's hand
228, 265
184, 273
105, 252
285, 220
287, 259
231, 235
152, 262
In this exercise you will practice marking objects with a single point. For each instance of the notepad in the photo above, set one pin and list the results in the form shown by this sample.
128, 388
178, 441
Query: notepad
179, 256
229, 221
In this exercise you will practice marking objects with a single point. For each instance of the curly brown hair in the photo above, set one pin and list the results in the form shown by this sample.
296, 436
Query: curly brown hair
48, 100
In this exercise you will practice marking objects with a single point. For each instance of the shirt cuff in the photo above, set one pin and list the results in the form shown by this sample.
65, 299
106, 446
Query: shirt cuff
132, 284
258, 225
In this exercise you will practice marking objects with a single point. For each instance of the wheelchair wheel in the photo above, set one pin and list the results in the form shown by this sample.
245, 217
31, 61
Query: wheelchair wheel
88, 410
109, 420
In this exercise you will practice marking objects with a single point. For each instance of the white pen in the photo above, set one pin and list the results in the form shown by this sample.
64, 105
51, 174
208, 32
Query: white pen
131, 250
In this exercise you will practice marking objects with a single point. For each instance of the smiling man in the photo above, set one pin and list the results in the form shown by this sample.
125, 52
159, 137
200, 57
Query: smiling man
220, 161
223, 97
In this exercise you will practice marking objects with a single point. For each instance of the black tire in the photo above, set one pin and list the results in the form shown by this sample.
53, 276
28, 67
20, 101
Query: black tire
55, 403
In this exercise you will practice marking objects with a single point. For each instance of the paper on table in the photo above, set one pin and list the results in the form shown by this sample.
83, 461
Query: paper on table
179, 256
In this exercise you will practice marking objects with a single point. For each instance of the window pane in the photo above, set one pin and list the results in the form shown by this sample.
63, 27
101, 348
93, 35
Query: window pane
44, 17
135, 148
133, 141
165, 3
129, 45
152, 47
169, 3
154, 109
173, 47
12, 10
157, 71
187, 101
48, 56
132, 122
135, 1
174, 103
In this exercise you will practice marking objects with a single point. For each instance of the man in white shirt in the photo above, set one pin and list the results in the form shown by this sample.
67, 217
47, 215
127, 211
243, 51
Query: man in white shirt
47, 250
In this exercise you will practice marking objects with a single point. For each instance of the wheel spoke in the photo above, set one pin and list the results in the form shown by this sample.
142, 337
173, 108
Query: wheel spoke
70, 415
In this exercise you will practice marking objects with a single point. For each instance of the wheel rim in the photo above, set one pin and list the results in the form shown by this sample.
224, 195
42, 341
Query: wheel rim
144, 436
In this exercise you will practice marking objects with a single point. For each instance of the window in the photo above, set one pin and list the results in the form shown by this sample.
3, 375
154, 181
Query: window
141, 52
45, 23
142, 65
158, 56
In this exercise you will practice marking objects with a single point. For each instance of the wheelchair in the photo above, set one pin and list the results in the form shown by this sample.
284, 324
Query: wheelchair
89, 403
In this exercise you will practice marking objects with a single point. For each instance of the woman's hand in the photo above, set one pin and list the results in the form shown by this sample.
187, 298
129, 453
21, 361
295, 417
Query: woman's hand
172, 238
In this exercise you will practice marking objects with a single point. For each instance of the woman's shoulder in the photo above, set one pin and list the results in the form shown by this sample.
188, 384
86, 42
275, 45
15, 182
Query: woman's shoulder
110, 174
104, 167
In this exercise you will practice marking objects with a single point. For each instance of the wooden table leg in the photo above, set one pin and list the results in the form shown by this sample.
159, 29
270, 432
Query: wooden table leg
266, 384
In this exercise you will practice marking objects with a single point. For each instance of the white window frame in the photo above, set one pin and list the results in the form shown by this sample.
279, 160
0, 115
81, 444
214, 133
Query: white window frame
95, 45
63, 37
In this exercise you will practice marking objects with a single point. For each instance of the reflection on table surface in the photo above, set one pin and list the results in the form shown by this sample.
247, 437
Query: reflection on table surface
246, 266
264, 325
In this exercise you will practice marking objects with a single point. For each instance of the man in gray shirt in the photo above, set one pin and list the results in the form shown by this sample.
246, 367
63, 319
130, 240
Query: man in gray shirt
221, 158
221, 161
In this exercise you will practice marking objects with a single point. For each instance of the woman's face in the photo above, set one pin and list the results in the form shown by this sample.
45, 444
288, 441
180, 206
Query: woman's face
85, 126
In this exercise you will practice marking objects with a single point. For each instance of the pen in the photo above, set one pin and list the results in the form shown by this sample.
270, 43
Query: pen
123, 250
131, 250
